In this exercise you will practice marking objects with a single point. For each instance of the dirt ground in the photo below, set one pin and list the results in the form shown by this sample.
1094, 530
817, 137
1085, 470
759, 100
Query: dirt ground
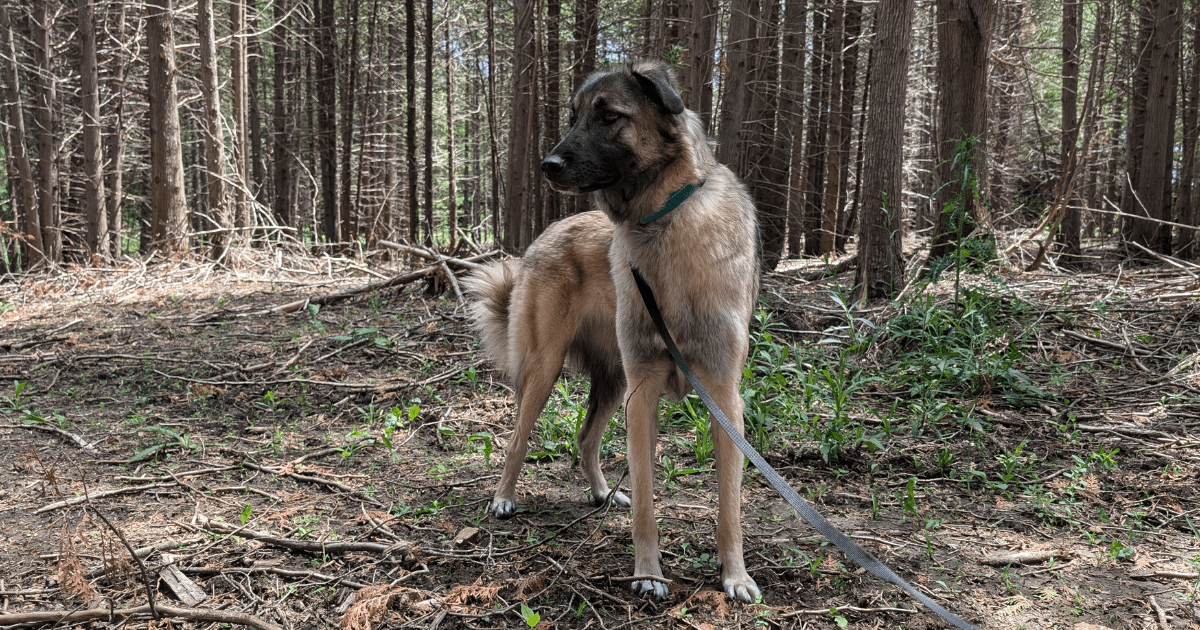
314, 467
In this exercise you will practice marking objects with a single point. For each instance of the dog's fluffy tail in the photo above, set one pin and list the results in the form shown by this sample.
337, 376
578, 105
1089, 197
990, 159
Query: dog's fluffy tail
490, 288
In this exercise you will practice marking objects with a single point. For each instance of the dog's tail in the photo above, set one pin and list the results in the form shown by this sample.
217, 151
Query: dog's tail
490, 288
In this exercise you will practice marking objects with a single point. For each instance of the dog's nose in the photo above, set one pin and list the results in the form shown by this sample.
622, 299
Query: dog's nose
553, 165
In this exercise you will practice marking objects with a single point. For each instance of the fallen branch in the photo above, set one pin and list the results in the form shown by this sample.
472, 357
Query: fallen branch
82, 443
1107, 344
308, 546
100, 495
312, 479
428, 255
1134, 431
407, 278
311, 575
1024, 557
108, 614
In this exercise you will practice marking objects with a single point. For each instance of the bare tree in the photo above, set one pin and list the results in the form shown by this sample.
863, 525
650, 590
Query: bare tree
34, 246
45, 103
238, 71
1072, 25
214, 144
410, 116
93, 198
880, 258
427, 188
326, 88
964, 42
517, 173
283, 203
168, 207
114, 179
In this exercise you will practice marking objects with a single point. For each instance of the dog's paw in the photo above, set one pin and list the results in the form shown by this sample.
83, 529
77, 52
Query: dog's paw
649, 587
619, 499
503, 508
741, 588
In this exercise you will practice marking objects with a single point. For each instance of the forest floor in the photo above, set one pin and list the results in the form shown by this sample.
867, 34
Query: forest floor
321, 466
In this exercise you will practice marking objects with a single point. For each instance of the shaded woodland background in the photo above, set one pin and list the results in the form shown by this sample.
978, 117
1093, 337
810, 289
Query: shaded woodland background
330, 125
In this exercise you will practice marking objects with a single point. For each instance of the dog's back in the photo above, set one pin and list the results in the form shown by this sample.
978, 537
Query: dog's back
560, 293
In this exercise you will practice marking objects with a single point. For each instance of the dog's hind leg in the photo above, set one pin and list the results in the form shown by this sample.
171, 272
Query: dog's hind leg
605, 397
533, 390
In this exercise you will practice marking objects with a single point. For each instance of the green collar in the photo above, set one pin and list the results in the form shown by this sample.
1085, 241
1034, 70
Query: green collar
672, 202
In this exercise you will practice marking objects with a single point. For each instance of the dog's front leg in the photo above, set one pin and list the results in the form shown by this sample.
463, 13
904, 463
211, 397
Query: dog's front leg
735, 580
641, 414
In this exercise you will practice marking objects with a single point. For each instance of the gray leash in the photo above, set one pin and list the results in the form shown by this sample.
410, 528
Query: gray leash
859, 555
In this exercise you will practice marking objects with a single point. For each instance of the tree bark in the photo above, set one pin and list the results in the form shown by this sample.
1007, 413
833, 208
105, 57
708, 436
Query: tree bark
214, 142
735, 99
45, 119
493, 112
831, 209
427, 187
349, 100
326, 132
517, 176
34, 248
254, 113
237, 50
791, 116
451, 200
283, 202
853, 30
1159, 134
410, 116
1072, 25
553, 201
93, 173
586, 33
113, 184
814, 153
1185, 212
880, 258
964, 42
702, 42
766, 156
168, 208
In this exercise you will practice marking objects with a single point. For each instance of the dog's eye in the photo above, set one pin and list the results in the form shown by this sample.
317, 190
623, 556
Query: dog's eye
609, 118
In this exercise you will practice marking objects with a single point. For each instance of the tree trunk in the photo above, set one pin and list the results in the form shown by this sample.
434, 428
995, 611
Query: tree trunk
349, 99
1072, 24
427, 187
34, 247
517, 177
238, 71
702, 42
283, 202
880, 258
766, 156
586, 34
814, 154
410, 117
451, 200
45, 119
113, 184
93, 174
254, 114
1185, 212
214, 142
853, 28
735, 99
326, 132
553, 203
493, 112
964, 42
791, 115
833, 155
1159, 135
167, 205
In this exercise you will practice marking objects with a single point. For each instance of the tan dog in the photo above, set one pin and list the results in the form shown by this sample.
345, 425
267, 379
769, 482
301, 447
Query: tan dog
572, 296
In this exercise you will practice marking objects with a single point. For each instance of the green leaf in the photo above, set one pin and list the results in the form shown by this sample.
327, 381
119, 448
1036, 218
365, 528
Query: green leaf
146, 452
246, 511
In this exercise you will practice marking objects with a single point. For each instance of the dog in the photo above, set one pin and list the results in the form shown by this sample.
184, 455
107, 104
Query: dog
572, 297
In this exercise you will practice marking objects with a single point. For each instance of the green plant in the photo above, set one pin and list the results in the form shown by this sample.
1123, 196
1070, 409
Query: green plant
531, 619
172, 440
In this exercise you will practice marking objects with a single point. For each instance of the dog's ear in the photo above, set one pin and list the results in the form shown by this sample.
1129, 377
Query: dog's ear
658, 85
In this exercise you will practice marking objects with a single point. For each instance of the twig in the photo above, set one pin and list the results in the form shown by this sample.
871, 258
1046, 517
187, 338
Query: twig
1134, 431
133, 554
1174, 262
82, 443
99, 495
1162, 614
309, 546
639, 578
313, 575
95, 614
854, 609
1024, 557
312, 479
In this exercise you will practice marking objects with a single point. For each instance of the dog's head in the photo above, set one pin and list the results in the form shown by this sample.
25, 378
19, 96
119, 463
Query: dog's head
623, 121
